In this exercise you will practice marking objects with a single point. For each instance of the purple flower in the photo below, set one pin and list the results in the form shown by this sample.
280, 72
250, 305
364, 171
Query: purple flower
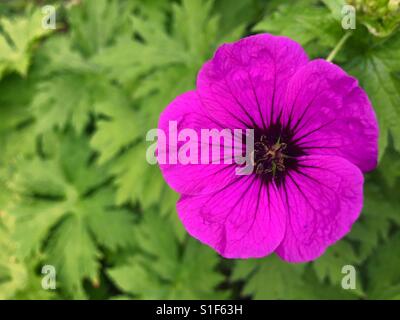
315, 133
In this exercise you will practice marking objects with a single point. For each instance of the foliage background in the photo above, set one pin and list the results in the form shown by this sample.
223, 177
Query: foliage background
77, 193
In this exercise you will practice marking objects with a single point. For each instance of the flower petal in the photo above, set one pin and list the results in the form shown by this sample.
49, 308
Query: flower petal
191, 178
244, 83
331, 115
323, 200
244, 220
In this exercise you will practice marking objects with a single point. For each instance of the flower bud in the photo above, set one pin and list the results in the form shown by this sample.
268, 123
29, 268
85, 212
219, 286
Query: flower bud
381, 17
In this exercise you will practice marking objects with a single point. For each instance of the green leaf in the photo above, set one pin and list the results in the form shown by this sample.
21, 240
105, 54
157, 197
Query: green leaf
16, 45
118, 125
312, 25
15, 132
234, 13
335, 6
12, 273
94, 24
15, 94
389, 167
330, 264
137, 180
161, 271
376, 69
163, 55
66, 210
383, 270
74, 90
17, 278
65, 99
117, 140
73, 84
71, 242
381, 210
60, 56
270, 278
158, 64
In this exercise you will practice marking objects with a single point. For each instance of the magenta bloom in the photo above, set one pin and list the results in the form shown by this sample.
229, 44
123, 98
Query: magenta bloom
315, 134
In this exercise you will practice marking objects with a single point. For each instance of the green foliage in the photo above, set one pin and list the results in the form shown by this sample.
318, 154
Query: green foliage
66, 210
272, 278
16, 42
12, 274
383, 270
76, 191
17, 278
163, 268
377, 68
155, 69
308, 22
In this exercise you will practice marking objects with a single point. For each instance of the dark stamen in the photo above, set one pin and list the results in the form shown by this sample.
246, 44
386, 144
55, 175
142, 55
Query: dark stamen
269, 158
274, 153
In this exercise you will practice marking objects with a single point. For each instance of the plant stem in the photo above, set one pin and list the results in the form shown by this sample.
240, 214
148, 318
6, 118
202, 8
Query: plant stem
339, 46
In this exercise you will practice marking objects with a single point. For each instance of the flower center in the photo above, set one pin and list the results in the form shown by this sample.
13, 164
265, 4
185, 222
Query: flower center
269, 158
